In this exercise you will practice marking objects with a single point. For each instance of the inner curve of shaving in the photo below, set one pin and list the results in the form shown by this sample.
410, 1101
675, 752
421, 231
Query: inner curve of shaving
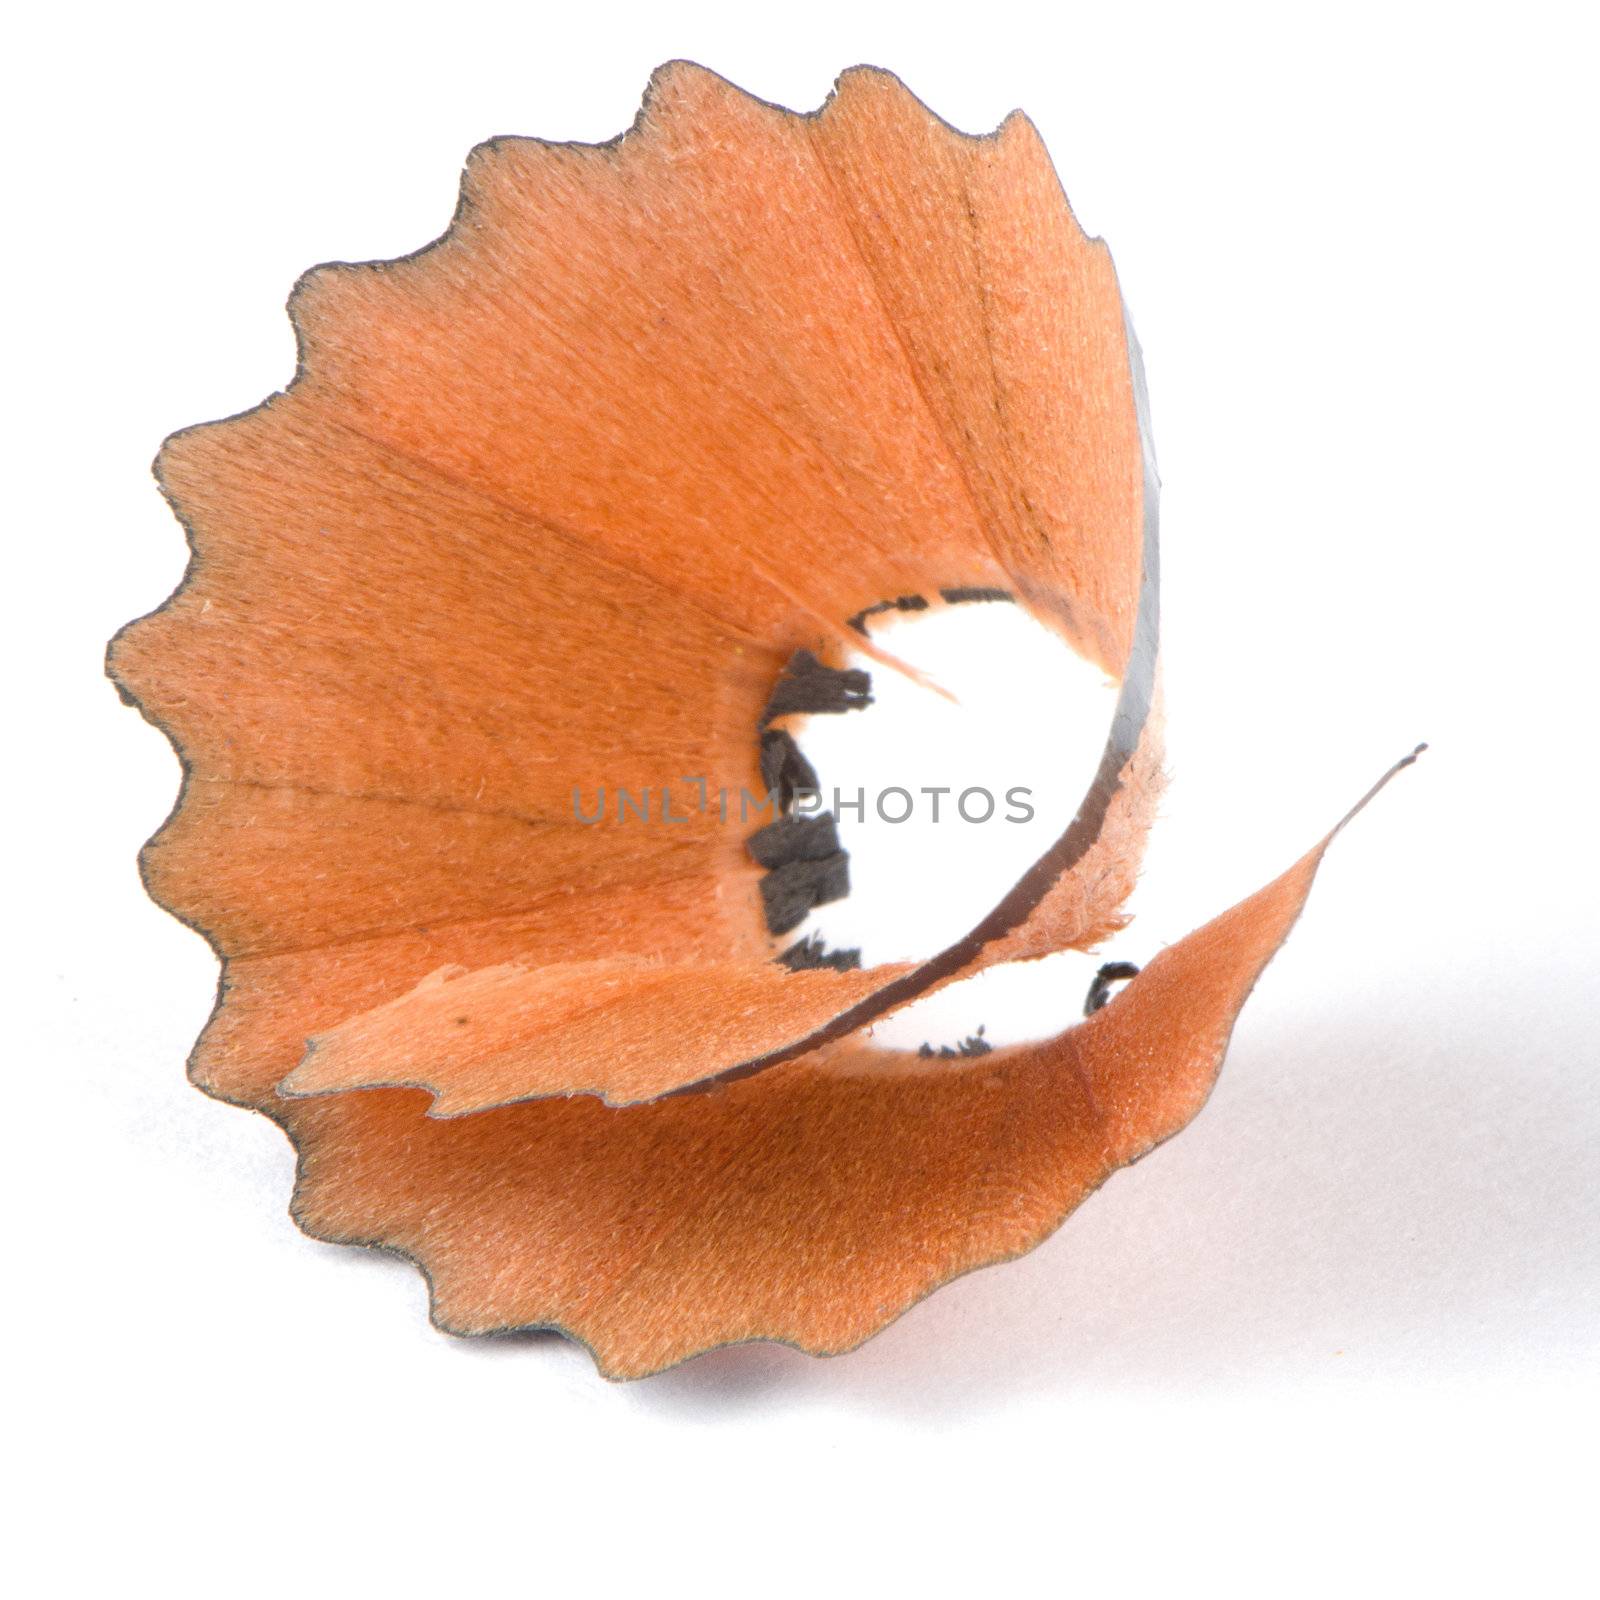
928, 807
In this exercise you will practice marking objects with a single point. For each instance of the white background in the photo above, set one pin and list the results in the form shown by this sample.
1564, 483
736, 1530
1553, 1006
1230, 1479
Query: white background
1341, 1334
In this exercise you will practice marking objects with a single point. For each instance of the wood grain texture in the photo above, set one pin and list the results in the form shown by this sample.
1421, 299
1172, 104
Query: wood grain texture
548, 506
